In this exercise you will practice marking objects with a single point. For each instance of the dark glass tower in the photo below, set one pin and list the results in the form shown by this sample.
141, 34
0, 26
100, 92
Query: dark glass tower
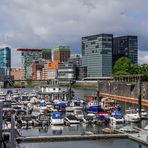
125, 46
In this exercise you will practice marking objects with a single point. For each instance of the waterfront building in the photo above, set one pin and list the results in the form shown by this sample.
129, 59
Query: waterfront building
76, 59
37, 70
5, 62
126, 46
52, 69
80, 71
45, 69
16, 73
46, 54
62, 53
27, 57
97, 55
66, 71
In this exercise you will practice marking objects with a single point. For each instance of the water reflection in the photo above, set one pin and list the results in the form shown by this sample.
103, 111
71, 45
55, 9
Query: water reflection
57, 130
43, 130
103, 143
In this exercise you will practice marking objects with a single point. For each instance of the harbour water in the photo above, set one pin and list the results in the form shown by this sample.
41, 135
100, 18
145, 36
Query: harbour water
76, 130
108, 143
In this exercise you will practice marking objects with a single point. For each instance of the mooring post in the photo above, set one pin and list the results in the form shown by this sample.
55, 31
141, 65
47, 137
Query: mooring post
1, 123
98, 89
13, 144
139, 99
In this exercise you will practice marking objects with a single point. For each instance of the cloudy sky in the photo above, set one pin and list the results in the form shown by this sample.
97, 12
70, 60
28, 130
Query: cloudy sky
47, 23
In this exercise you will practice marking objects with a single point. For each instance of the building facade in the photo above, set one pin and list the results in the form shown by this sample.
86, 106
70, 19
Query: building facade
16, 73
62, 53
5, 62
52, 69
66, 71
37, 70
97, 55
27, 58
126, 46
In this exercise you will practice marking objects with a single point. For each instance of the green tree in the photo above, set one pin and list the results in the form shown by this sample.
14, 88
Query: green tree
136, 69
122, 66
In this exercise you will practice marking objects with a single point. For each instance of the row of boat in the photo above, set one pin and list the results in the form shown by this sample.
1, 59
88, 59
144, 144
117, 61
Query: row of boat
51, 105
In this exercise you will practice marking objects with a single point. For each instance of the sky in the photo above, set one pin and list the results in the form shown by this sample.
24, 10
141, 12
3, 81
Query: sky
48, 23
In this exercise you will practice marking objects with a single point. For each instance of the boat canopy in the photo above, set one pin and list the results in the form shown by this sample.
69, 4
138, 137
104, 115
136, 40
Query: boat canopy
117, 114
57, 115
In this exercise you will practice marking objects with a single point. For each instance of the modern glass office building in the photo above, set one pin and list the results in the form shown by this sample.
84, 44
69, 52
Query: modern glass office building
97, 55
5, 62
125, 46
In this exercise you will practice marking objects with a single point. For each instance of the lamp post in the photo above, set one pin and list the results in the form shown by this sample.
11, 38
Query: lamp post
1, 122
71, 82
139, 99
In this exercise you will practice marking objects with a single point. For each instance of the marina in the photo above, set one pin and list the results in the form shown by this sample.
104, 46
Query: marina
53, 117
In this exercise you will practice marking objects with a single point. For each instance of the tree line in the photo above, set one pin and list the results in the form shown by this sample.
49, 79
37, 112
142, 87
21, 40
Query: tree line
123, 66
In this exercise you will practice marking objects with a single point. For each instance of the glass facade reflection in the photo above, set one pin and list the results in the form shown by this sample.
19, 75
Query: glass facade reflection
5, 62
97, 55
125, 46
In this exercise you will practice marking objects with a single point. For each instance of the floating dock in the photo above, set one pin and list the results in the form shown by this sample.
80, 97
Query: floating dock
138, 137
69, 137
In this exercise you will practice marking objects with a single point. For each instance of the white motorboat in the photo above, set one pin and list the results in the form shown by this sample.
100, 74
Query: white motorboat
131, 116
71, 119
143, 112
116, 120
79, 114
57, 118
89, 119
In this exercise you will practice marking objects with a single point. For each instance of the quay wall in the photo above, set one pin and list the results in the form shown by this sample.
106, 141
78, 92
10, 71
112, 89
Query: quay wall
126, 89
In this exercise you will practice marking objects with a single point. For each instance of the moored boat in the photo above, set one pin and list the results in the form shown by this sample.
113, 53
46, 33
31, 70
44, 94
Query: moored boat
57, 118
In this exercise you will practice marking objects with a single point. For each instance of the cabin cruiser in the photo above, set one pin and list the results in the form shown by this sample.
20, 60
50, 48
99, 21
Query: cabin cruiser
43, 119
131, 116
57, 118
102, 116
93, 106
71, 119
79, 114
89, 118
116, 119
143, 112
60, 105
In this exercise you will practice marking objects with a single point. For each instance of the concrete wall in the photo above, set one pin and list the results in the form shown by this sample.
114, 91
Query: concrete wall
123, 88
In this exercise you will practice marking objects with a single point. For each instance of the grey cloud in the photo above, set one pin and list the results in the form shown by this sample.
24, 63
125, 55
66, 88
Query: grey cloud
46, 23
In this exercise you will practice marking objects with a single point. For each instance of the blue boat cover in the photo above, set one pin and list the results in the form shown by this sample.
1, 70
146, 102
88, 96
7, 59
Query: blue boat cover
56, 115
118, 114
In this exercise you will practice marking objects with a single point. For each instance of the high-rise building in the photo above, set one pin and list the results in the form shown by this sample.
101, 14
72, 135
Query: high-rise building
62, 53
97, 55
27, 58
46, 54
37, 70
5, 62
125, 46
